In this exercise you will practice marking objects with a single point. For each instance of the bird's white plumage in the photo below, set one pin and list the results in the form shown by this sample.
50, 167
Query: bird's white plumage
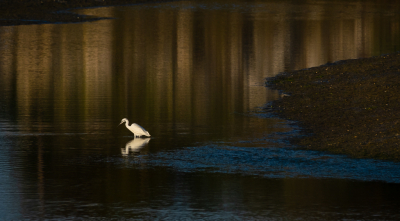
135, 128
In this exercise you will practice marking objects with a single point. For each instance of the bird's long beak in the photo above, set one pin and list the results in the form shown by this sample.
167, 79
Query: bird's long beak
120, 123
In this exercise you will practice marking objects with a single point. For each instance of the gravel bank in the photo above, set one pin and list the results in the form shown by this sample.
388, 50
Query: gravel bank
349, 107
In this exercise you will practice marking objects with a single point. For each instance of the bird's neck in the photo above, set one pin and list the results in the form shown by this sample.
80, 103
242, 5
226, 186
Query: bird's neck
127, 123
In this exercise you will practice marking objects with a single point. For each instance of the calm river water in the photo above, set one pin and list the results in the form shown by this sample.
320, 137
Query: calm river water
192, 73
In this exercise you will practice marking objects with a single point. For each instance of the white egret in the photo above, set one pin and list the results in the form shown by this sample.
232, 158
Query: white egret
136, 129
134, 145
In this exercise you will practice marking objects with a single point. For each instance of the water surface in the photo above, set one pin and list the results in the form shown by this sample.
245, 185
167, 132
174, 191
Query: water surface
192, 74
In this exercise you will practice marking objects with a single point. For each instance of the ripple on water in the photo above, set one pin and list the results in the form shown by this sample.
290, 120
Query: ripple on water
268, 162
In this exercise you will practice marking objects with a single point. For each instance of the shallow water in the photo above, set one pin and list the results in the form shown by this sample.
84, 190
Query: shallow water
192, 74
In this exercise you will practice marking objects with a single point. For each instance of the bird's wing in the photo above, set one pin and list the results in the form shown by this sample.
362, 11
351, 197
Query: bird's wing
138, 126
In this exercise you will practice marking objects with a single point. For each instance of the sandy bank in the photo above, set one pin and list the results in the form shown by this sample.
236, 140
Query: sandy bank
350, 107
23, 12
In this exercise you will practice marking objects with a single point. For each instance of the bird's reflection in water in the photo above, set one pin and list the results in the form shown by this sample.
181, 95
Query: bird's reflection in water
134, 146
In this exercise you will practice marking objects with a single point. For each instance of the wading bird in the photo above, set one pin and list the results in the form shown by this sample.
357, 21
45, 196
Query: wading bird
136, 129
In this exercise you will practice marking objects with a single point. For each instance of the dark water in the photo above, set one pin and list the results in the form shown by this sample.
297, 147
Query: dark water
192, 74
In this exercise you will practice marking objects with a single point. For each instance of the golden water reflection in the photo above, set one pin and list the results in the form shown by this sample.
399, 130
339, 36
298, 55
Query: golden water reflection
189, 66
193, 67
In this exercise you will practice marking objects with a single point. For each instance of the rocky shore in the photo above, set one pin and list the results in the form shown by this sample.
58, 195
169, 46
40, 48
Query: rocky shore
24, 12
348, 107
